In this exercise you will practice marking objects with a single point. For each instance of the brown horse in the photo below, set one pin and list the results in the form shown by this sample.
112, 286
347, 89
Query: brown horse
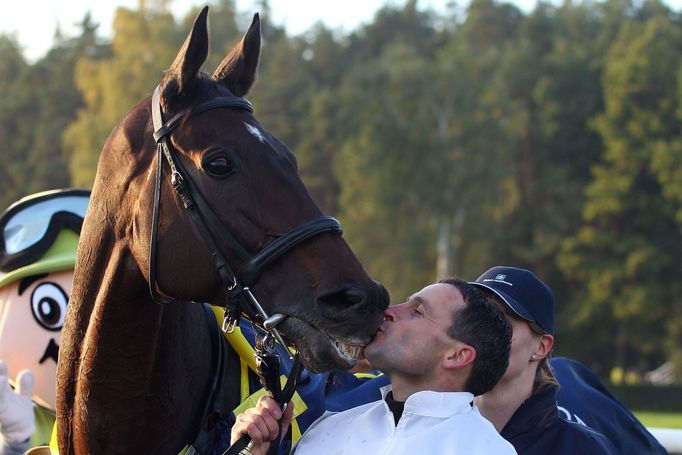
135, 376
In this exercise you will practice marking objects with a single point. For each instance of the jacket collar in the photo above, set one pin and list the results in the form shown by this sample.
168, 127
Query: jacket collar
538, 411
435, 404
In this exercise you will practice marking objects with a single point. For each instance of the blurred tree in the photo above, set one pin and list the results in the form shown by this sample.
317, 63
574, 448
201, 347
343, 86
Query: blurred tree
547, 90
111, 85
630, 240
57, 100
395, 25
426, 144
381, 192
473, 134
14, 144
41, 102
321, 127
319, 146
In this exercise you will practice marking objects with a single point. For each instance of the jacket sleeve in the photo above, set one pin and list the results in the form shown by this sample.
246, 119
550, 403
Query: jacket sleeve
583, 398
602, 446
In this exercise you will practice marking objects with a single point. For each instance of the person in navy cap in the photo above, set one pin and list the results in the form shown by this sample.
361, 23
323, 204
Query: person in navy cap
522, 406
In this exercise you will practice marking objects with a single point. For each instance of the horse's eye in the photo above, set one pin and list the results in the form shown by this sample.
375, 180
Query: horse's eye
219, 166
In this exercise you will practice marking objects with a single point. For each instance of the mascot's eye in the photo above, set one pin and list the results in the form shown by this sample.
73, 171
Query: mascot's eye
48, 303
219, 166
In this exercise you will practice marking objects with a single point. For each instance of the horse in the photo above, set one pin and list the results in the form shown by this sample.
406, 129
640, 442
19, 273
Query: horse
194, 201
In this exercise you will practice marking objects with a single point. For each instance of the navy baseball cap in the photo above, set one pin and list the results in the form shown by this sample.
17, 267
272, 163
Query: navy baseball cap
523, 292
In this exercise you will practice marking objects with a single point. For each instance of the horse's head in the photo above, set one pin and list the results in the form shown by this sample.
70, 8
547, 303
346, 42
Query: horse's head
249, 181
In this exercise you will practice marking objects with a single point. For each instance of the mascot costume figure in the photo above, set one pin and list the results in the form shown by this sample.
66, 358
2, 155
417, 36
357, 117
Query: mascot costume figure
38, 242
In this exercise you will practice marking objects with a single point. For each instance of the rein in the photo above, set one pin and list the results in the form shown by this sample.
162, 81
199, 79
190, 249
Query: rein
239, 298
267, 364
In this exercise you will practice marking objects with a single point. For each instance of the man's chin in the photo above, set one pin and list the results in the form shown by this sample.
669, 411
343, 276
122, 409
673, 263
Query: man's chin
372, 351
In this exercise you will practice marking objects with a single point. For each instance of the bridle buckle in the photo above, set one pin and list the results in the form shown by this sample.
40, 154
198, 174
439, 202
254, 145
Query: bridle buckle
177, 181
229, 323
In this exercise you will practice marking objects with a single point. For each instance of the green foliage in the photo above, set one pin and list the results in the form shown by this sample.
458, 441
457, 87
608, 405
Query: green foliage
645, 397
630, 239
41, 100
394, 135
112, 84
15, 145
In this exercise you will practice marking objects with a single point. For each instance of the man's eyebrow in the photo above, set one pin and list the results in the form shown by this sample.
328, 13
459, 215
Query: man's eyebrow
29, 280
423, 302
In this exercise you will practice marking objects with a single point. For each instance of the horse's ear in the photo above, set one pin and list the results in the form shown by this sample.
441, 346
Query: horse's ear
192, 55
238, 70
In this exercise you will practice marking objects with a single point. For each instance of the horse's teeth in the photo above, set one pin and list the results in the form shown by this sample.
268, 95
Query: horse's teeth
352, 351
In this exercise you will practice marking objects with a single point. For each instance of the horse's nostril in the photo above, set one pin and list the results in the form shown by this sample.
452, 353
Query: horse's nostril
343, 298
355, 295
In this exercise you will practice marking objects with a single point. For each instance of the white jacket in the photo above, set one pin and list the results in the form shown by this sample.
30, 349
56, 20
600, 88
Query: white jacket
432, 423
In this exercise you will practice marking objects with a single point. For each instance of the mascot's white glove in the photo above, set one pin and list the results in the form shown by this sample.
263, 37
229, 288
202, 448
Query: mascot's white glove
17, 421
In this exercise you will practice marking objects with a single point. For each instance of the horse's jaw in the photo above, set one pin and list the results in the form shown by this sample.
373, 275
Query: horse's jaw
322, 351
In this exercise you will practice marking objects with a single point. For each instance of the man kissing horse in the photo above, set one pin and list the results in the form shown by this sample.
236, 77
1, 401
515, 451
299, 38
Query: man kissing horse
194, 201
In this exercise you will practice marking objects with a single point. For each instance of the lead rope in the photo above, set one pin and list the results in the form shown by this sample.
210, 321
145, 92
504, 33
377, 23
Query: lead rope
267, 366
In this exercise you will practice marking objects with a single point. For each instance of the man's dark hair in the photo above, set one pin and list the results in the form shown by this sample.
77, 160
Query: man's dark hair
482, 325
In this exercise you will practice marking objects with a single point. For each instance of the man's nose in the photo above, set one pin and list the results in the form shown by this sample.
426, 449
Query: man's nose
388, 315
393, 312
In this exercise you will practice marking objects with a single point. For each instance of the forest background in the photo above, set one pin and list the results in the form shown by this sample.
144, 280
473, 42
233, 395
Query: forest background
445, 143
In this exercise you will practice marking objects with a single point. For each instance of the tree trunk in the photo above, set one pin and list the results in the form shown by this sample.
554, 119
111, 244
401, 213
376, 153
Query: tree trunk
449, 240
443, 261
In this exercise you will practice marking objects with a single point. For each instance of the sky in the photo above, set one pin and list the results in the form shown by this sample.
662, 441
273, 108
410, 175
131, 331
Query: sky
35, 32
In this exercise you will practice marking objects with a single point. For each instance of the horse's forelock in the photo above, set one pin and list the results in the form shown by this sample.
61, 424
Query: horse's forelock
173, 99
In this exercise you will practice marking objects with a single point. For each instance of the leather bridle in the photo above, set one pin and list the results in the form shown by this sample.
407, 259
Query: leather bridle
239, 298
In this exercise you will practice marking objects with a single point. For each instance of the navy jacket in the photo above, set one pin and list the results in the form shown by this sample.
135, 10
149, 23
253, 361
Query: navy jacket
536, 428
584, 399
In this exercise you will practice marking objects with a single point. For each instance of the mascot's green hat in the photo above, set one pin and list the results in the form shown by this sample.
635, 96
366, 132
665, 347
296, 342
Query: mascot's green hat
60, 256
39, 234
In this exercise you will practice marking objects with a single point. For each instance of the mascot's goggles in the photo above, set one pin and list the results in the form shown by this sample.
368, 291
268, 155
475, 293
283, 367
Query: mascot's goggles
29, 227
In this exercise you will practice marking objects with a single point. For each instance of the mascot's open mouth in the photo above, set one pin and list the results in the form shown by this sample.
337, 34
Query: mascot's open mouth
321, 351
51, 352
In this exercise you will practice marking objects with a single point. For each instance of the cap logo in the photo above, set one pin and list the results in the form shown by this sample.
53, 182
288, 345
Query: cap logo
499, 278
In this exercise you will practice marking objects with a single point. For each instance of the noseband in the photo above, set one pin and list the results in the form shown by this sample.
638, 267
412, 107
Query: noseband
206, 220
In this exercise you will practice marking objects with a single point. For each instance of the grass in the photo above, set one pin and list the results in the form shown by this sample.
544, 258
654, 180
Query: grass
660, 419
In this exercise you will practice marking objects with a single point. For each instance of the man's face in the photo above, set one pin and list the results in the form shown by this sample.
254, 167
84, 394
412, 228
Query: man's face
32, 313
414, 336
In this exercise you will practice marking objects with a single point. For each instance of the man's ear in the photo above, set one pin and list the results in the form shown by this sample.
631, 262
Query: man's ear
459, 356
545, 346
